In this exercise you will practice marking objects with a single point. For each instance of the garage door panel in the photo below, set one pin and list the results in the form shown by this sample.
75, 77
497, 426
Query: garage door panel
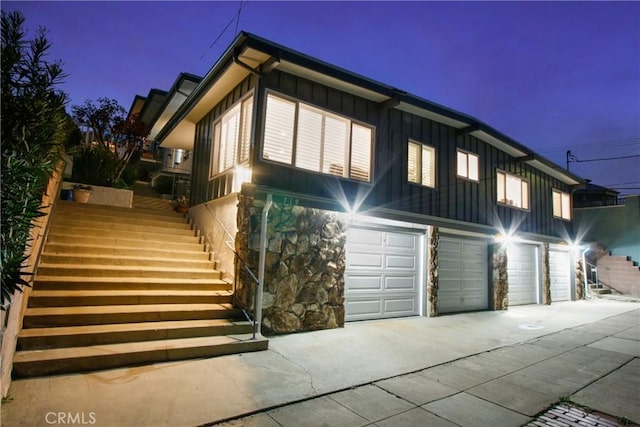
403, 262
472, 267
382, 276
360, 260
560, 275
365, 283
364, 308
400, 306
522, 273
462, 274
450, 265
400, 283
359, 236
402, 241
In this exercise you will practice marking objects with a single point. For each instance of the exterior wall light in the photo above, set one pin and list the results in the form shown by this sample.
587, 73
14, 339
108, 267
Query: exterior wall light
241, 174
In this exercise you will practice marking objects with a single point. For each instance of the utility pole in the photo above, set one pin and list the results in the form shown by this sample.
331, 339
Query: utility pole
570, 157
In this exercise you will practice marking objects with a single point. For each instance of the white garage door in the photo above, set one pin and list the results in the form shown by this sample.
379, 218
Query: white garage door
523, 274
462, 275
560, 275
382, 275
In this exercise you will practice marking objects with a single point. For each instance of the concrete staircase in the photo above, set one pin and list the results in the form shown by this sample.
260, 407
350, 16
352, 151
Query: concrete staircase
618, 275
118, 287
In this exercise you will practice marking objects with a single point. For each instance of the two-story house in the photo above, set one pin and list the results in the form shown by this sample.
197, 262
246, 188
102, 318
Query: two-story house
355, 200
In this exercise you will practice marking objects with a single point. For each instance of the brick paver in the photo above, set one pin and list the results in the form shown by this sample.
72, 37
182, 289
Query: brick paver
565, 415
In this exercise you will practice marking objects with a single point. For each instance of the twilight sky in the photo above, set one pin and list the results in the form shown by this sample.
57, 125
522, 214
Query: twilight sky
555, 76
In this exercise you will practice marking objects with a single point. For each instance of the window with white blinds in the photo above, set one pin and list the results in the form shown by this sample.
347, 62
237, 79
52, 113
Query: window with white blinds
322, 141
561, 205
232, 137
512, 190
467, 165
421, 165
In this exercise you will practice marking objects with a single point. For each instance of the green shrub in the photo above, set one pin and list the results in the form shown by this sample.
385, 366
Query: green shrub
94, 165
34, 129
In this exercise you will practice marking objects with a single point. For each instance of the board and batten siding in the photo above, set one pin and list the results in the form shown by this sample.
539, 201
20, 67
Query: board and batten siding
452, 198
203, 188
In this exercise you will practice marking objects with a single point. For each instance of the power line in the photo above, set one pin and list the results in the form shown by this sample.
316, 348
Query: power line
236, 18
622, 183
606, 158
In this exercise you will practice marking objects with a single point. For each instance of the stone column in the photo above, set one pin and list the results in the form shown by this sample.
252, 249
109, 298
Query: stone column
304, 265
546, 275
432, 286
579, 273
500, 277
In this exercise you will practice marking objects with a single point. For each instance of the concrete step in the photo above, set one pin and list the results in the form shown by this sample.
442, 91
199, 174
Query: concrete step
155, 218
71, 298
86, 335
130, 225
126, 252
188, 236
126, 283
126, 242
39, 317
93, 271
92, 358
111, 260
65, 208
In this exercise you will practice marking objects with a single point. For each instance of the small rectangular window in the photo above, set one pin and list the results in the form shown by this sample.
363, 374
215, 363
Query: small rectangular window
561, 205
231, 137
421, 168
467, 165
278, 130
512, 190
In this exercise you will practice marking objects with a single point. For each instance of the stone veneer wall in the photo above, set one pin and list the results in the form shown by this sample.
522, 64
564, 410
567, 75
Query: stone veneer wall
546, 275
579, 273
500, 278
432, 287
304, 265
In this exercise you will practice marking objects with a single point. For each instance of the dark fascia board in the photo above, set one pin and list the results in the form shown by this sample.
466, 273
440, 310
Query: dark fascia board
246, 40
136, 99
153, 94
221, 64
182, 77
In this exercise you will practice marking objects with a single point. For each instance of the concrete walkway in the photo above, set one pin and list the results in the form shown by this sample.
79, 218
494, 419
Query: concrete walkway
486, 368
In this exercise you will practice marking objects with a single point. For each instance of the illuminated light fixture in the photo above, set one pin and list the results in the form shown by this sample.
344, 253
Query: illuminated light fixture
505, 239
241, 174
575, 246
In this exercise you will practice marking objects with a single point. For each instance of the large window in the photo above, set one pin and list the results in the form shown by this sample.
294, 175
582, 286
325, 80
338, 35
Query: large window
467, 165
306, 137
513, 190
561, 205
232, 137
421, 164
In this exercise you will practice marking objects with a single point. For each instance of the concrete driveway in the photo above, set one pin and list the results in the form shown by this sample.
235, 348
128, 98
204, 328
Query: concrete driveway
466, 369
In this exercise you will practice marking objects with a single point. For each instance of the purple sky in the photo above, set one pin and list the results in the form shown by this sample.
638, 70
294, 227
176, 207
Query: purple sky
553, 76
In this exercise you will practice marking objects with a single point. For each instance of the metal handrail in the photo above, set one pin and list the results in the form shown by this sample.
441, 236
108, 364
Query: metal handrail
251, 318
590, 271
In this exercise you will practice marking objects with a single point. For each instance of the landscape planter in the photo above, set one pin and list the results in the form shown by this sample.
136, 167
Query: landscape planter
81, 196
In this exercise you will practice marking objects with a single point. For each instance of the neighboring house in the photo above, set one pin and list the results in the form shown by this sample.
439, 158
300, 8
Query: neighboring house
384, 204
612, 225
595, 195
155, 110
